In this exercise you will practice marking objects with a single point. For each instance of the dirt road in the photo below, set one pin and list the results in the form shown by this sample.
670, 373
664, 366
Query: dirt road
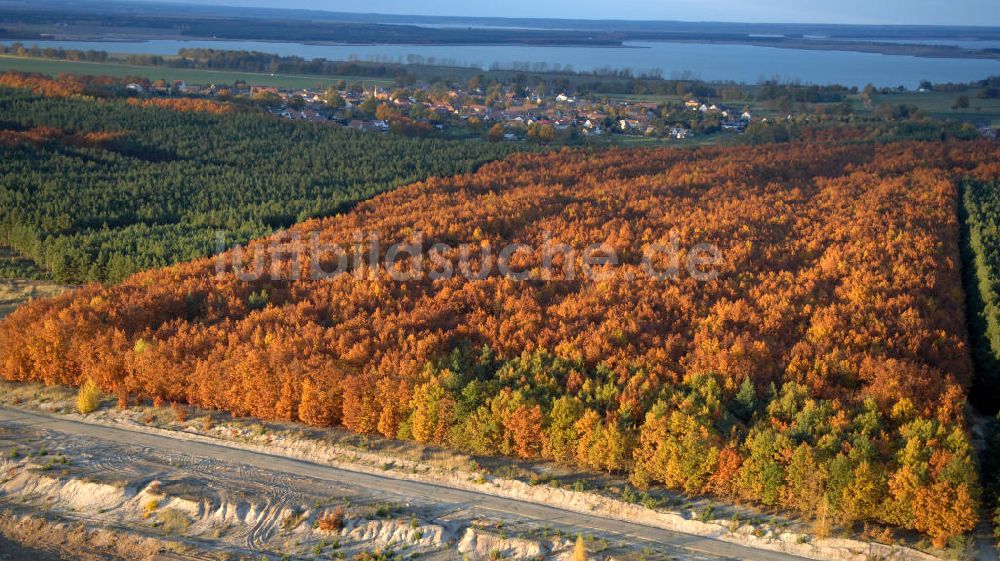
406, 490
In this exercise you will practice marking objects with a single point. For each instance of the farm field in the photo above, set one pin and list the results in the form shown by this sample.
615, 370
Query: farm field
939, 105
194, 76
934, 104
817, 364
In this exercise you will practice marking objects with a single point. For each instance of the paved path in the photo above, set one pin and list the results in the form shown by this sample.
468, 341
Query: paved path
640, 534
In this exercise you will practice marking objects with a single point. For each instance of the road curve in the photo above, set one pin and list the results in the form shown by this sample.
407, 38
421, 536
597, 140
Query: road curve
626, 531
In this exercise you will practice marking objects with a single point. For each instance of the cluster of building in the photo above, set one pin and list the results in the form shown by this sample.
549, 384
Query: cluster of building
373, 110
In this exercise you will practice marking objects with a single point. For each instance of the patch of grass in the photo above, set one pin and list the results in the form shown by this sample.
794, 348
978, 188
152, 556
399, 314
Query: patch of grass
59, 460
540, 479
188, 489
220, 530
150, 507
384, 510
174, 522
292, 521
15, 292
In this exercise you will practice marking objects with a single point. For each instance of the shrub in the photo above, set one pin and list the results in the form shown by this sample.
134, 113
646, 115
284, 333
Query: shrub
706, 514
88, 398
332, 521
649, 501
376, 555
180, 413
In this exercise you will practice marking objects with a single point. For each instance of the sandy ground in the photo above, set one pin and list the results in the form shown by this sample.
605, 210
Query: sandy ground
250, 492
14, 292
31, 537
203, 502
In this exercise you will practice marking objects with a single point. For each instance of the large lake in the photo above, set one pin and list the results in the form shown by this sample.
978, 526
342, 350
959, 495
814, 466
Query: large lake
739, 63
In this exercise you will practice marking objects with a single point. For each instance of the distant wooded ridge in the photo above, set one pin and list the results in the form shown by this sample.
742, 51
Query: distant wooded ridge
846, 31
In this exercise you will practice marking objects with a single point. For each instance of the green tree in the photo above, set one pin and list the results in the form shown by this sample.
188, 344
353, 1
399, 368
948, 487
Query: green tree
676, 449
761, 475
864, 496
745, 401
495, 133
562, 433
432, 407
805, 481
368, 106
333, 99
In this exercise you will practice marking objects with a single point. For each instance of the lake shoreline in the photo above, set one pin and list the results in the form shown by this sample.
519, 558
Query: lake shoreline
716, 62
920, 50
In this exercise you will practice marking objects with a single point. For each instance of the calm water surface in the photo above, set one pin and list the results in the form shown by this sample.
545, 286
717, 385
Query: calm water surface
739, 63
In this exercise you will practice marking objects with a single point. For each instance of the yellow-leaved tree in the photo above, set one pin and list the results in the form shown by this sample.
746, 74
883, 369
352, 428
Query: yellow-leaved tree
579, 550
88, 398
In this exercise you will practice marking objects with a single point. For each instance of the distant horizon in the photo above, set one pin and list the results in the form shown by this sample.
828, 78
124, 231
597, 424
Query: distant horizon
959, 13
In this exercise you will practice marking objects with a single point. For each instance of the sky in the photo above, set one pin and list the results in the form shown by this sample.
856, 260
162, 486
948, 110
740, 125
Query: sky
928, 12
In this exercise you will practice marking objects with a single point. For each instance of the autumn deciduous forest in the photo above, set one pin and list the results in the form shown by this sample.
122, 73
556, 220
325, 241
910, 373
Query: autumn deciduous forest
824, 369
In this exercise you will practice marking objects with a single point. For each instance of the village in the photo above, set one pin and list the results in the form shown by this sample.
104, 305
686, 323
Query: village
498, 113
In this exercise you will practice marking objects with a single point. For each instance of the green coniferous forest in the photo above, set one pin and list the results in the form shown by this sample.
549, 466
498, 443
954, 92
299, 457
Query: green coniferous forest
97, 190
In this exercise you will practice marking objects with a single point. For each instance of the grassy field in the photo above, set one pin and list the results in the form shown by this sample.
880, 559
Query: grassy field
193, 76
15, 292
656, 98
938, 104
692, 142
